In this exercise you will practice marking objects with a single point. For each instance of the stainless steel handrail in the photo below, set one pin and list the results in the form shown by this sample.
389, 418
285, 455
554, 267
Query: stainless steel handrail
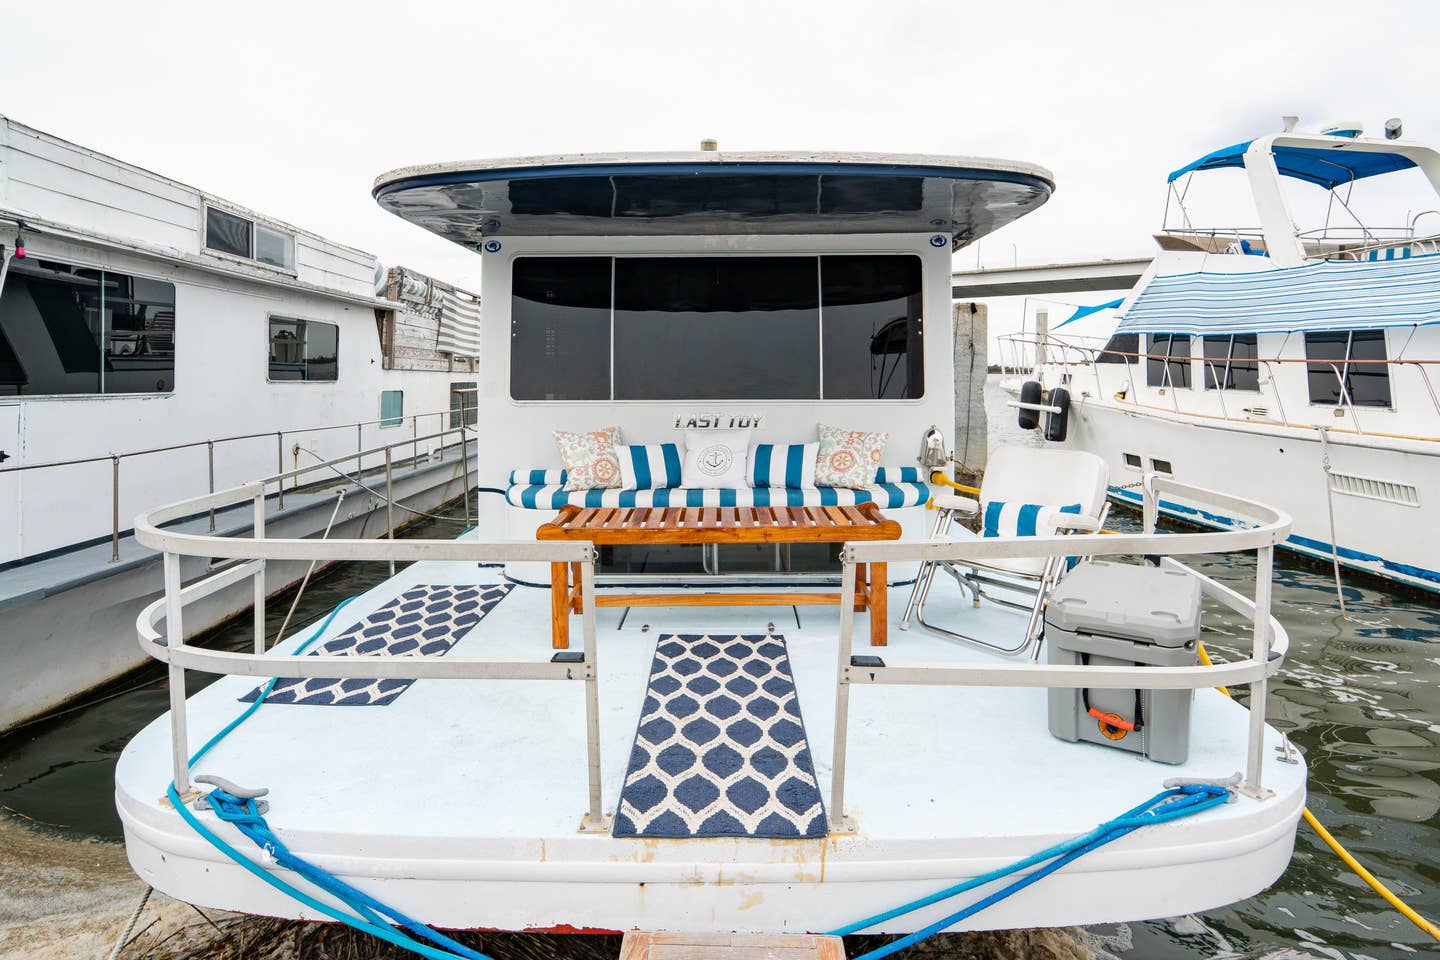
115, 458
171, 648
1269, 641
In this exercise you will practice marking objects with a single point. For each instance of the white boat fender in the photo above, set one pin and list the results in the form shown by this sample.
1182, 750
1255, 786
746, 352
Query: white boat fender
1030, 393
1057, 422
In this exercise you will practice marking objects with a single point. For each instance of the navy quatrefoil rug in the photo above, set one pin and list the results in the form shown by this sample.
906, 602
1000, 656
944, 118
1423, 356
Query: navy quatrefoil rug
423, 621
720, 750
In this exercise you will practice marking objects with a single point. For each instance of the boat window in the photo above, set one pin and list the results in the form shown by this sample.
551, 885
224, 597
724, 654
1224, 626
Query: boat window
1132, 460
1172, 372
1161, 466
242, 237
1122, 348
709, 328
693, 328
303, 349
871, 320
560, 328
1354, 358
462, 397
1232, 362
392, 407
77, 330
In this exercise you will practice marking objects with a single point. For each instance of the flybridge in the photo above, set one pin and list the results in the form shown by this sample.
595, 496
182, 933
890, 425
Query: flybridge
959, 198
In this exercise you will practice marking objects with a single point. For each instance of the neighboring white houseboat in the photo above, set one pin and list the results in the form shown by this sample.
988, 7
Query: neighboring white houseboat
1292, 362
441, 745
157, 342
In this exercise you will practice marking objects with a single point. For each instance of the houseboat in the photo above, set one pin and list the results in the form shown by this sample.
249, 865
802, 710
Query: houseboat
1294, 361
660, 686
157, 342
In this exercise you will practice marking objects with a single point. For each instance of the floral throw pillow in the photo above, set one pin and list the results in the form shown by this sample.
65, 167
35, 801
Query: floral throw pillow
590, 459
848, 458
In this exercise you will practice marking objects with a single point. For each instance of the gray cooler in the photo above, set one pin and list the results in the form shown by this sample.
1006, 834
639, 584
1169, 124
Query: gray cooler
1115, 614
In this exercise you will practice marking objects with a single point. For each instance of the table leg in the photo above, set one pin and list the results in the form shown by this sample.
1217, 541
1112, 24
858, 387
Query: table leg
879, 607
579, 605
559, 606
860, 588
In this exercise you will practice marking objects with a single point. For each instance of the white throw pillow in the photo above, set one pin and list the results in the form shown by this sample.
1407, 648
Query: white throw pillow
716, 458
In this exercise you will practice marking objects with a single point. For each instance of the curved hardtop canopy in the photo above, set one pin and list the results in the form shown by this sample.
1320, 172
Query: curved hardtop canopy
1325, 163
714, 193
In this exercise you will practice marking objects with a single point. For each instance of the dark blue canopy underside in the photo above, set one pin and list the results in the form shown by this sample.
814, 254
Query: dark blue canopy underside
1328, 167
714, 198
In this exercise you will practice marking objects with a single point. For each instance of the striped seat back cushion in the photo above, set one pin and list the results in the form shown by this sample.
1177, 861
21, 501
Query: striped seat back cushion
653, 466
783, 465
1007, 519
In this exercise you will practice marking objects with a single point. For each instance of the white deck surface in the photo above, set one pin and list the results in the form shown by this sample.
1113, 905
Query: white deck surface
460, 801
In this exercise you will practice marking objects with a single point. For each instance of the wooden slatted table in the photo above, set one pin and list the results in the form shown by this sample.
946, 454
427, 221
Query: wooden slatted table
607, 526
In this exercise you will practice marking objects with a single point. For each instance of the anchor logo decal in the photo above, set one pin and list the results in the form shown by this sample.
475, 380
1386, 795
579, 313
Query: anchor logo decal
715, 460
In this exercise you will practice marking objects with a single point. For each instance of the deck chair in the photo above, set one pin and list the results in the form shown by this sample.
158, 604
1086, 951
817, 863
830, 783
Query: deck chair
1069, 487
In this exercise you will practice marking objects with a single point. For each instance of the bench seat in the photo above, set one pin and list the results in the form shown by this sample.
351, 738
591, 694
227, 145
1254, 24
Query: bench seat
545, 490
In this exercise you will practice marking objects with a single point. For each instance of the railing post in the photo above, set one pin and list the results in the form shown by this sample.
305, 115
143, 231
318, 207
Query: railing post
415, 441
114, 509
464, 460
174, 636
1260, 652
838, 821
280, 466
595, 818
210, 457
359, 448
389, 506
258, 604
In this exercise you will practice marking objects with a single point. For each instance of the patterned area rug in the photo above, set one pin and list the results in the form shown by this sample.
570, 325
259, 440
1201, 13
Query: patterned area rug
423, 621
720, 750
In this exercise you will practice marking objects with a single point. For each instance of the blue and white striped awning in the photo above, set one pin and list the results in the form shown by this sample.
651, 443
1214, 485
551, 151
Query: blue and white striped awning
1328, 295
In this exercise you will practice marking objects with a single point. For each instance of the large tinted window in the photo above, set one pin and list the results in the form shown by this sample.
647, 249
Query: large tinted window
77, 330
706, 328
560, 328
693, 328
1173, 372
1231, 361
303, 349
872, 327
1122, 348
1333, 357
227, 233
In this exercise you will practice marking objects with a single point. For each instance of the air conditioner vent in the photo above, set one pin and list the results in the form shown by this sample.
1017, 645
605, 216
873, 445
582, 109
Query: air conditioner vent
1371, 489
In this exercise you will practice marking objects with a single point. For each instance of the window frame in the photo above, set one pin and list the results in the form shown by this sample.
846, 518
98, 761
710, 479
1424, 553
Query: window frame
1170, 359
817, 256
84, 264
1347, 397
291, 238
270, 318
1214, 365
394, 420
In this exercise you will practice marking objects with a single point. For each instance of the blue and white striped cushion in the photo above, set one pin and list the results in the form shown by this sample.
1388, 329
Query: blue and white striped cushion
789, 465
898, 475
537, 476
649, 466
1003, 519
888, 496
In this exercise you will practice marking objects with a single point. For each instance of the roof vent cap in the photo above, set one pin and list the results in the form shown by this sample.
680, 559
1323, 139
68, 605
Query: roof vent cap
709, 146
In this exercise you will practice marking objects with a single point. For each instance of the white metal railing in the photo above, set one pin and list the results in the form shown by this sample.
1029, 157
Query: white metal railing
1268, 646
254, 552
1073, 356
116, 459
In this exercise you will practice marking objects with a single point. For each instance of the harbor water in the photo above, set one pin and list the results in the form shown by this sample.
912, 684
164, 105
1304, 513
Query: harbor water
1359, 696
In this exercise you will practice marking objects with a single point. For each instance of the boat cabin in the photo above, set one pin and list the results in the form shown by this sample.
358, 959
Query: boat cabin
666, 294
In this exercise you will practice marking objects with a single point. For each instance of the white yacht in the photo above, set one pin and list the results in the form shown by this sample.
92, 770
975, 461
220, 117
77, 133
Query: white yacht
156, 342
1294, 362
437, 750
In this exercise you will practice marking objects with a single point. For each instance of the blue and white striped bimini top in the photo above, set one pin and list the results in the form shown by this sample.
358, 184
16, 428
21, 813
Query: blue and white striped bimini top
1327, 295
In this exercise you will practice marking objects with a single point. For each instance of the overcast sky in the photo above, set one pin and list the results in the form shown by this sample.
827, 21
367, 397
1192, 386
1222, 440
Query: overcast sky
294, 110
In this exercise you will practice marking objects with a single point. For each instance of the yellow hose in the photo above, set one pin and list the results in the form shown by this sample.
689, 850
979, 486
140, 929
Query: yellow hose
1370, 879
939, 478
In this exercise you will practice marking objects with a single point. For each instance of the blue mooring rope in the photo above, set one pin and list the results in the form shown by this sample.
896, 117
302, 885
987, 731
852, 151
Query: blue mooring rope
1165, 806
246, 818
371, 914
